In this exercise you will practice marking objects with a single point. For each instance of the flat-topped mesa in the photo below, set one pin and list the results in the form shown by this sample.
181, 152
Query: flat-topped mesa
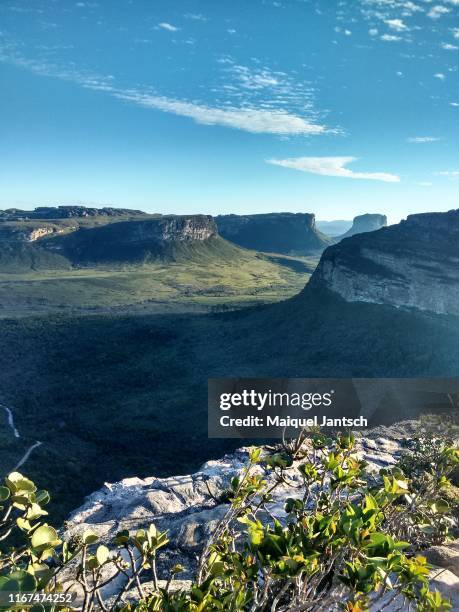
135, 240
414, 264
274, 232
65, 212
365, 223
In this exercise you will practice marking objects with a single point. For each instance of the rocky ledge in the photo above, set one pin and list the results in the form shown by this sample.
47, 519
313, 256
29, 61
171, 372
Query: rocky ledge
190, 507
413, 264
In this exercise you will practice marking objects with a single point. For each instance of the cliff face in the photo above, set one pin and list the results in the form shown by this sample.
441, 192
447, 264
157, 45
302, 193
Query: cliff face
274, 232
135, 240
28, 231
365, 223
414, 264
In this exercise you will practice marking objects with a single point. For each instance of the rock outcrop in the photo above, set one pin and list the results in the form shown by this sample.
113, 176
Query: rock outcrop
414, 264
365, 223
190, 507
28, 232
287, 233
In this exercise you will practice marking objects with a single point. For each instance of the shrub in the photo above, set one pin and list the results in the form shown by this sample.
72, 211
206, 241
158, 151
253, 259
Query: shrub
346, 540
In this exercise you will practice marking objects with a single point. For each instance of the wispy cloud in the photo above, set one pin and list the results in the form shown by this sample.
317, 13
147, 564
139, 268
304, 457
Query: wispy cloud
168, 26
332, 166
440, 76
451, 174
248, 117
390, 38
449, 47
195, 17
422, 139
255, 120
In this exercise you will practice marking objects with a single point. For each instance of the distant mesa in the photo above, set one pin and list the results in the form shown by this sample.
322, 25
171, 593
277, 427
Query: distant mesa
334, 228
65, 212
411, 265
286, 233
364, 223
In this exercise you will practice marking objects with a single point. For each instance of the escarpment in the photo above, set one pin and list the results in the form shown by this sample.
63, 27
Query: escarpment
287, 233
414, 264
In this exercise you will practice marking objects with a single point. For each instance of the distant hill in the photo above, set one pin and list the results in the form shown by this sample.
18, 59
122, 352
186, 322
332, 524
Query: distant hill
333, 228
413, 264
364, 223
287, 233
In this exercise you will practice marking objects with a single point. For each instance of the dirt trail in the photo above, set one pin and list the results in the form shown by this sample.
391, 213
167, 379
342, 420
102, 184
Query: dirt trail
16, 434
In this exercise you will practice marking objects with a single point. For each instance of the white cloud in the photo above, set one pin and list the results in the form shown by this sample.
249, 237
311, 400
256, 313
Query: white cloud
452, 174
332, 166
440, 76
168, 26
422, 139
437, 11
195, 16
255, 79
396, 24
455, 32
449, 47
390, 38
255, 120
455, 104
373, 32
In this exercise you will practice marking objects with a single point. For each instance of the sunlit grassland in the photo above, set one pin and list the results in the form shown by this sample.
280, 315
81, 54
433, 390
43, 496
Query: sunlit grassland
157, 287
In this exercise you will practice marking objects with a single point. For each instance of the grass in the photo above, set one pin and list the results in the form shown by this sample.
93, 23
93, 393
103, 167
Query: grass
156, 287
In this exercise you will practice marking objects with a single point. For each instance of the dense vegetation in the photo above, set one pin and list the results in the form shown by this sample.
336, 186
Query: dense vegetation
349, 540
111, 397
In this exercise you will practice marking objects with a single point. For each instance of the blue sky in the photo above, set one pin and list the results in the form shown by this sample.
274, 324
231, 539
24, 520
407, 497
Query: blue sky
241, 106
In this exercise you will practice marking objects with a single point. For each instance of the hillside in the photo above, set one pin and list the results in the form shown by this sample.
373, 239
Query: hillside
287, 233
136, 262
410, 265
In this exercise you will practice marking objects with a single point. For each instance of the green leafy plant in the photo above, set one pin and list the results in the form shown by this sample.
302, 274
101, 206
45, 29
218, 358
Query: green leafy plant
345, 540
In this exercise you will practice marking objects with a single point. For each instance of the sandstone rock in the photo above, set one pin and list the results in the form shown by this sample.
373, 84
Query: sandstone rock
184, 507
365, 223
446, 556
